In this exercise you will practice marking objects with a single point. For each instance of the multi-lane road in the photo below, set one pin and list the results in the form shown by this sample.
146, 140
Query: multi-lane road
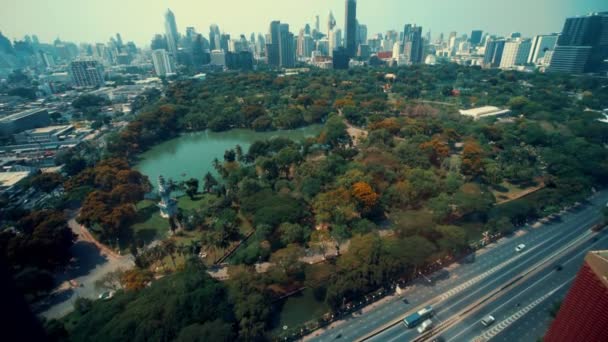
516, 288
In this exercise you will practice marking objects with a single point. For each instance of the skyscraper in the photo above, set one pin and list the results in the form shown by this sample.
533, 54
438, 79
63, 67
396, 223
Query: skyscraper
163, 63
362, 34
331, 23
493, 53
272, 45
287, 53
214, 37
583, 315
171, 32
476, 37
317, 24
586, 39
412, 44
540, 45
350, 27
515, 52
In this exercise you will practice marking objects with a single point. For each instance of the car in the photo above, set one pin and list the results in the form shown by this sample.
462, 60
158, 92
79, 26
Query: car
520, 247
106, 295
488, 320
426, 325
558, 267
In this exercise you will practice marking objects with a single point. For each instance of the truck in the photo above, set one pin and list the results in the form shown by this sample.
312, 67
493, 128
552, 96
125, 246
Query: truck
417, 317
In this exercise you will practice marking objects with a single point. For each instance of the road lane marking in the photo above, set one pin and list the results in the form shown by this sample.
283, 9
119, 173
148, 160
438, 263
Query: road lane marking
586, 250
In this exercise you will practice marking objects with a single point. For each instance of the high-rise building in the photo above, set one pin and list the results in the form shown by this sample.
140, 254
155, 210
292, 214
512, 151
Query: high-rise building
582, 37
493, 54
515, 53
163, 63
350, 27
317, 23
305, 44
287, 51
476, 37
331, 23
340, 58
218, 57
272, 44
362, 34
214, 37
540, 45
335, 40
158, 42
412, 44
86, 73
171, 32
583, 315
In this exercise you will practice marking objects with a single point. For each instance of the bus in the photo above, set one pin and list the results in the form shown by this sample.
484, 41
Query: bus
417, 317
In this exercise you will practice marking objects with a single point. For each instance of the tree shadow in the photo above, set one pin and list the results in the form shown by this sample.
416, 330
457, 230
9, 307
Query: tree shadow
86, 258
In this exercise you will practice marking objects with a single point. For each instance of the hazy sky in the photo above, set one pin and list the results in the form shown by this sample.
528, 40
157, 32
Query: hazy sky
138, 20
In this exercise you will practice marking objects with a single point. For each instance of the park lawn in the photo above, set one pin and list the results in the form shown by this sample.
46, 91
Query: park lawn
150, 226
506, 191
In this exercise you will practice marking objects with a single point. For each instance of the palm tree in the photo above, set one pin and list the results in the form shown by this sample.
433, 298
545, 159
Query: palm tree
239, 153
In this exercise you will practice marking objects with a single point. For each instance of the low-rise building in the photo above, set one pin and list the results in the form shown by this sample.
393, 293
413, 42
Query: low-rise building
9, 180
483, 112
43, 134
21, 121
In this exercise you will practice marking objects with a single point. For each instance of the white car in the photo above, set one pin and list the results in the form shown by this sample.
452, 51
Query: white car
520, 247
426, 325
488, 320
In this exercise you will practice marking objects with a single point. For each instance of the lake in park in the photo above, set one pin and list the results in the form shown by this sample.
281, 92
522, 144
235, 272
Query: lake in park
191, 155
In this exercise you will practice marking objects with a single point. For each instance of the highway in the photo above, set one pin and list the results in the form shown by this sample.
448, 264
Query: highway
462, 295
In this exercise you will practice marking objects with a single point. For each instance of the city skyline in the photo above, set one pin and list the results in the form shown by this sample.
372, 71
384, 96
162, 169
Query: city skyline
109, 20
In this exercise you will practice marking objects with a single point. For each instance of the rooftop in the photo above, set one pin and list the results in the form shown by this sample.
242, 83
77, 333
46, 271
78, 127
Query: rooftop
48, 129
8, 179
484, 111
21, 114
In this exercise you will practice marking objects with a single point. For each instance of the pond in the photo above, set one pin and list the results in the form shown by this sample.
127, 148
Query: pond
191, 155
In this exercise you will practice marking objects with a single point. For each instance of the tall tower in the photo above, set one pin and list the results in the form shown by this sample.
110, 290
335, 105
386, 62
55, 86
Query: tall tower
272, 46
350, 27
171, 32
331, 23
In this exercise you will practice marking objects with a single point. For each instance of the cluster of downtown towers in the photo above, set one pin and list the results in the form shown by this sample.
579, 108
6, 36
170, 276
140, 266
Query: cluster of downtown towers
280, 47
582, 46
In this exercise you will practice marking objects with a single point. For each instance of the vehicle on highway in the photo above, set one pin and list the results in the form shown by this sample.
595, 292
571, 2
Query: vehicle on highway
488, 320
558, 267
425, 326
417, 317
520, 247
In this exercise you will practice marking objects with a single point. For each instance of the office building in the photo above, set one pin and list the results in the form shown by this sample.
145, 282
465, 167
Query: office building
493, 54
163, 63
340, 58
362, 34
570, 59
171, 32
331, 23
582, 37
86, 73
19, 122
214, 37
476, 37
335, 40
540, 45
242, 60
218, 57
412, 44
350, 27
43, 134
515, 53
583, 315
305, 44
287, 50
272, 44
